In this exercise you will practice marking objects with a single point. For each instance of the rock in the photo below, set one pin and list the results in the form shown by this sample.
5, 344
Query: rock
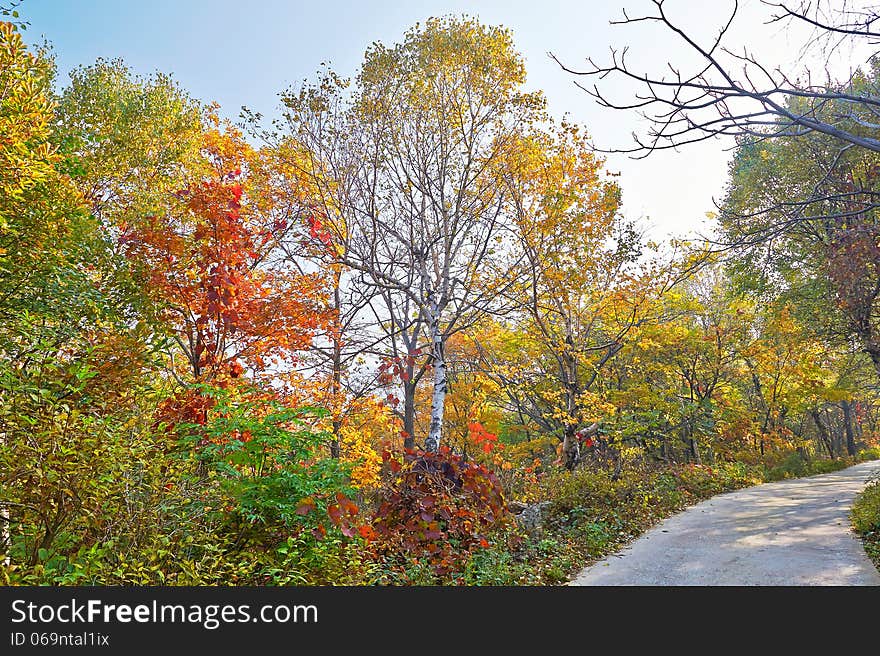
531, 517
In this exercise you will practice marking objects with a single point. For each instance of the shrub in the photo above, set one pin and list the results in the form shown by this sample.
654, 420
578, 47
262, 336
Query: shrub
865, 517
793, 466
796, 466
872, 453
437, 511
264, 464
866, 510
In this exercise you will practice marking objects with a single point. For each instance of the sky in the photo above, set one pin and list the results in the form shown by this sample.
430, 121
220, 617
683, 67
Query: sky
243, 53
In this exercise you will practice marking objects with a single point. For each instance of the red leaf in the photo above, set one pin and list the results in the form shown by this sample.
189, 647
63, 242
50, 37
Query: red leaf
305, 506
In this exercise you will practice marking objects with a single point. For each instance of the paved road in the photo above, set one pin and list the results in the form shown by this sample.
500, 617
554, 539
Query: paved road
794, 532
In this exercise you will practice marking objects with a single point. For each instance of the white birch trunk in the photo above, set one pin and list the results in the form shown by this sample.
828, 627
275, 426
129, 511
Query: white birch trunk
5, 523
432, 443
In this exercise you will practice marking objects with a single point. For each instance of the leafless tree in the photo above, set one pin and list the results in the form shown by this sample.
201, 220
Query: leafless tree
730, 93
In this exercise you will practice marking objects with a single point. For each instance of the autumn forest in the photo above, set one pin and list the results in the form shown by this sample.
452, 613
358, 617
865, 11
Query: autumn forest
403, 333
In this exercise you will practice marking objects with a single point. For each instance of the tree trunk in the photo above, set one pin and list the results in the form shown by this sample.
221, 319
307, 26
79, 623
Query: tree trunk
336, 385
438, 398
695, 452
848, 427
5, 521
409, 414
335, 444
872, 348
571, 449
618, 464
571, 443
824, 436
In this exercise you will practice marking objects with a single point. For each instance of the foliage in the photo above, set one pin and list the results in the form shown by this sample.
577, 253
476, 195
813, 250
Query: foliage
803, 213
437, 510
260, 466
126, 142
580, 289
204, 261
865, 516
26, 157
796, 466
872, 453
69, 468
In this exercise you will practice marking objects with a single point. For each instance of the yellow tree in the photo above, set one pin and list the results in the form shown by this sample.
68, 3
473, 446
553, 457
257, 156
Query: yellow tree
678, 381
792, 374
70, 361
128, 143
580, 289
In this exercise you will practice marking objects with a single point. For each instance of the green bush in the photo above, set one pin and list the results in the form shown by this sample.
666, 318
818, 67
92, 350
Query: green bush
793, 466
827, 466
247, 499
865, 516
866, 510
797, 466
265, 462
872, 453
494, 566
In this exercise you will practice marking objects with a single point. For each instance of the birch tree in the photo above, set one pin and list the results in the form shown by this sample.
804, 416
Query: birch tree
411, 157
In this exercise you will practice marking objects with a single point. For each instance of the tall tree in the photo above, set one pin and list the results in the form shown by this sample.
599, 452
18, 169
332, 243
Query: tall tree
210, 262
314, 170
70, 362
128, 141
422, 210
721, 90
579, 288
802, 213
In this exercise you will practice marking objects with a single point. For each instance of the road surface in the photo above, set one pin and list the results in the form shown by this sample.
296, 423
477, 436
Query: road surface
793, 532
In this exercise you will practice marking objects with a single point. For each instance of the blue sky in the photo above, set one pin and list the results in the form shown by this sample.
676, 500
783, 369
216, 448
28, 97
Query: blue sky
245, 52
